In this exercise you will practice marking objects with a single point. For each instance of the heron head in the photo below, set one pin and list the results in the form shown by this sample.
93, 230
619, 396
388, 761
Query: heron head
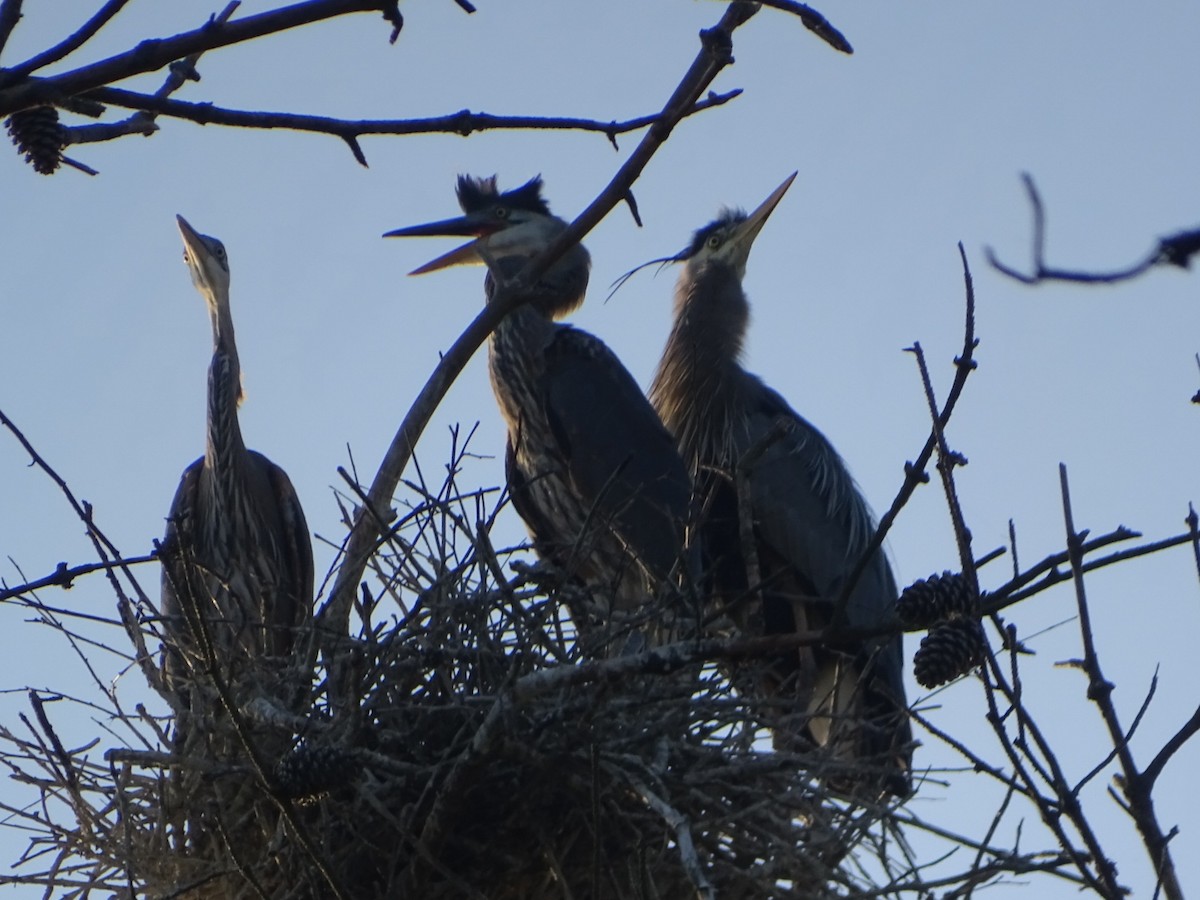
726, 241
207, 261
516, 223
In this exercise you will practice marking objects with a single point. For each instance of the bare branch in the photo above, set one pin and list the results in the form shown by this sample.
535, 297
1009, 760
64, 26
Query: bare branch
151, 55
10, 15
914, 472
947, 460
104, 547
1175, 250
72, 42
106, 550
64, 758
814, 22
64, 576
462, 123
1094, 866
1170, 748
1137, 789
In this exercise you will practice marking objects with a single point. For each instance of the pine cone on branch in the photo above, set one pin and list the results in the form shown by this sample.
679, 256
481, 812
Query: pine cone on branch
950, 649
39, 135
935, 599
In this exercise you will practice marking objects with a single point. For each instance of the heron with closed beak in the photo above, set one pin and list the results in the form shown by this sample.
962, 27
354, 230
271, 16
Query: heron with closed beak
782, 525
239, 564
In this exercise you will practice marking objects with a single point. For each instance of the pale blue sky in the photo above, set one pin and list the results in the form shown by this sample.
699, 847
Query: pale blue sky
905, 148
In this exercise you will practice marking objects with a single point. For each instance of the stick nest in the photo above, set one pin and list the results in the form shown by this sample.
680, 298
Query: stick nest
462, 747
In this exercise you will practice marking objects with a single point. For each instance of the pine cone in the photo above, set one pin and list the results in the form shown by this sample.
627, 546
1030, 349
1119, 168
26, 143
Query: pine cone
951, 649
309, 772
937, 598
37, 133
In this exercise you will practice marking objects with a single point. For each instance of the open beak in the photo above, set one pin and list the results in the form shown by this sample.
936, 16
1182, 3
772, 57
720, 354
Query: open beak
744, 237
466, 255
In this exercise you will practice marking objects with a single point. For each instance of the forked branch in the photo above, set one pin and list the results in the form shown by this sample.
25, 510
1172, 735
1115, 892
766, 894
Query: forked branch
1174, 250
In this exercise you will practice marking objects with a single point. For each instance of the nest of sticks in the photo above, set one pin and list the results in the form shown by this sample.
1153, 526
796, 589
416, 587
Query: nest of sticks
467, 749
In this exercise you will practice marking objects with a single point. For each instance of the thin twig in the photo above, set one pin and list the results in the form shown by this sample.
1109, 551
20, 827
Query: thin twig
814, 22
947, 460
105, 550
71, 43
914, 472
462, 123
1190, 728
1137, 789
151, 55
1063, 803
64, 577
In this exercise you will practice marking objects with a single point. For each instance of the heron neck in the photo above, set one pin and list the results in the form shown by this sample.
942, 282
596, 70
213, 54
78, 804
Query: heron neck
516, 359
560, 290
700, 372
224, 445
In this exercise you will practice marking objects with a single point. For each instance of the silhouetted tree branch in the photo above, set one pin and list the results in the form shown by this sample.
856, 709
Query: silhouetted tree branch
20, 89
462, 123
1099, 691
1174, 250
814, 22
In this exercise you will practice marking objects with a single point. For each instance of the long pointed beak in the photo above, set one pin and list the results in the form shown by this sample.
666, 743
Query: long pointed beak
466, 255
748, 230
456, 227
191, 237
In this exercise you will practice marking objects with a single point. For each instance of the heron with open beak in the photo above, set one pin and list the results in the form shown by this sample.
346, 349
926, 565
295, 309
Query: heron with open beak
590, 468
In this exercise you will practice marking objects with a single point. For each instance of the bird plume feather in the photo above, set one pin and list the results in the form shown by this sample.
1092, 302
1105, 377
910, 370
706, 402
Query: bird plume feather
476, 194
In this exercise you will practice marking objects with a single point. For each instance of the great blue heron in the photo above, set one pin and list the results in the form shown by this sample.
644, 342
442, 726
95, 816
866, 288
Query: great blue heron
590, 467
239, 552
760, 466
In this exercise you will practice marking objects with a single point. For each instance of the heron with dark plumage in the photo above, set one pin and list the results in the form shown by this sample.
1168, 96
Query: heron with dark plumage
782, 525
590, 467
238, 554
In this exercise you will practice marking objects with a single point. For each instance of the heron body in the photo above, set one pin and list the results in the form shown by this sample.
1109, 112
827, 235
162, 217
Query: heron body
782, 523
240, 555
590, 468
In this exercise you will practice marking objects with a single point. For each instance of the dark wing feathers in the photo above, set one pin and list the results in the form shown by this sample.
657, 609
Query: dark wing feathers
809, 511
618, 454
182, 510
282, 524
539, 525
296, 547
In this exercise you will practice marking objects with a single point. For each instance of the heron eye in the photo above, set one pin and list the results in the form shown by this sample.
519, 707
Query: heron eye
714, 241
500, 212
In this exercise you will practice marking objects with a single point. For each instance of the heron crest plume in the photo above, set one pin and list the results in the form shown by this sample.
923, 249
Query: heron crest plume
478, 194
